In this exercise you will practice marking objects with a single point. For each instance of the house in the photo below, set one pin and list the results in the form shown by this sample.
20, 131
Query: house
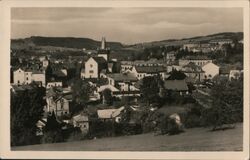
54, 84
221, 42
179, 86
81, 120
94, 66
224, 72
190, 46
122, 81
193, 72
211, 70
45, 62
111, 114
40, 125
170, 57
198, 60
26, 76
58, 102
235, 74
144, 71
126, 65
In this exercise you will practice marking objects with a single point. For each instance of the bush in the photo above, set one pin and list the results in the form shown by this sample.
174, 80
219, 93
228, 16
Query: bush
173, 127
192, 120
52, 136
75, 135
193, 117
100, 128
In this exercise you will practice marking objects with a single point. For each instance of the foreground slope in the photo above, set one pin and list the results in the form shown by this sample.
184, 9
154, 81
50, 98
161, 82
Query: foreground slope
197, 139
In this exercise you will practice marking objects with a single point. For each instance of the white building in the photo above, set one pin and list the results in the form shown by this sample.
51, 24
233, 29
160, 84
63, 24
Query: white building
122, 81
211, 70
21, 77
82, 121
197, 60
235, 74
54, 84
145, 71
94, 66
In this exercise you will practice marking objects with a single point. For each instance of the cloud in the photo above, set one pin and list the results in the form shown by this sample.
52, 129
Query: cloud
127, 25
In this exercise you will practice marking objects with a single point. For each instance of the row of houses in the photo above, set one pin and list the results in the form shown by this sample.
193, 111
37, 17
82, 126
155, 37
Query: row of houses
206, 47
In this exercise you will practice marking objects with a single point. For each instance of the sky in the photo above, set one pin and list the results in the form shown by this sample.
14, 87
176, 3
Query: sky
126, 25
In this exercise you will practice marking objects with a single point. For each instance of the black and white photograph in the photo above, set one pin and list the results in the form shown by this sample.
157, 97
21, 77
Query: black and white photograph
140, 78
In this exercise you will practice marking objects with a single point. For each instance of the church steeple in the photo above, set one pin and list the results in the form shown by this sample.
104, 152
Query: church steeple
103, 44
104, 51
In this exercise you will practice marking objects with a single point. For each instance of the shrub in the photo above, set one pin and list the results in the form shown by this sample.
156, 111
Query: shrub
173, 127
52, 136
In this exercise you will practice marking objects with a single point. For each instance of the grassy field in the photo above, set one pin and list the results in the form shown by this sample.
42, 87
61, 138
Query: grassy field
196, 139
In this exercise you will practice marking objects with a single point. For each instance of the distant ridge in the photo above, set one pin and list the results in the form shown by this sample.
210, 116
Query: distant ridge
66, 42
87, 43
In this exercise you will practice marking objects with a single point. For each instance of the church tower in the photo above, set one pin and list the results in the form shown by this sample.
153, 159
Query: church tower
103, 44
103, 51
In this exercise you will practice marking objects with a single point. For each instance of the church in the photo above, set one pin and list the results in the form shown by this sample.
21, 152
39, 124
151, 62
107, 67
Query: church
95, 66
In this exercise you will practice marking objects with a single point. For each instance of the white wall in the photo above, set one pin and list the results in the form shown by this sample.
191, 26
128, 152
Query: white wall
39, 77
53, 84
210, 69
19, 77
91, 69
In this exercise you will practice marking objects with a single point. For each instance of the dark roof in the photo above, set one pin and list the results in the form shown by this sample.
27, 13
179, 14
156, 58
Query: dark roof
150, 69
196, 58
123, 76
22, 87
225, 70
103, 51
58, 73
192, 68
99, 59
177, 85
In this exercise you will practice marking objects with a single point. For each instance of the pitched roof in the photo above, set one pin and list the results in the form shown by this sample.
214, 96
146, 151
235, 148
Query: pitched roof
149, 69
103, 87
177, 85
192, 68
81, 117
59, 73
122, 76
100, 60
109, 113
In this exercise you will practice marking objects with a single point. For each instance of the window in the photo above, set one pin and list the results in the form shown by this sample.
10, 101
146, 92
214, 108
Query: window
27, 78
18, 81
91, 71
91, 66
84, 126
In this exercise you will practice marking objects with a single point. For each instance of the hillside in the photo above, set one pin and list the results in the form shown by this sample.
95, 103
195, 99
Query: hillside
176, 42
65, 42
76, 44
196, 139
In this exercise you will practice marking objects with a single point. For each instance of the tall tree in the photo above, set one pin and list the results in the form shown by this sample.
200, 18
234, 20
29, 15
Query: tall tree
227, 106
107, 96
81, 91
150, 89
26, 110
